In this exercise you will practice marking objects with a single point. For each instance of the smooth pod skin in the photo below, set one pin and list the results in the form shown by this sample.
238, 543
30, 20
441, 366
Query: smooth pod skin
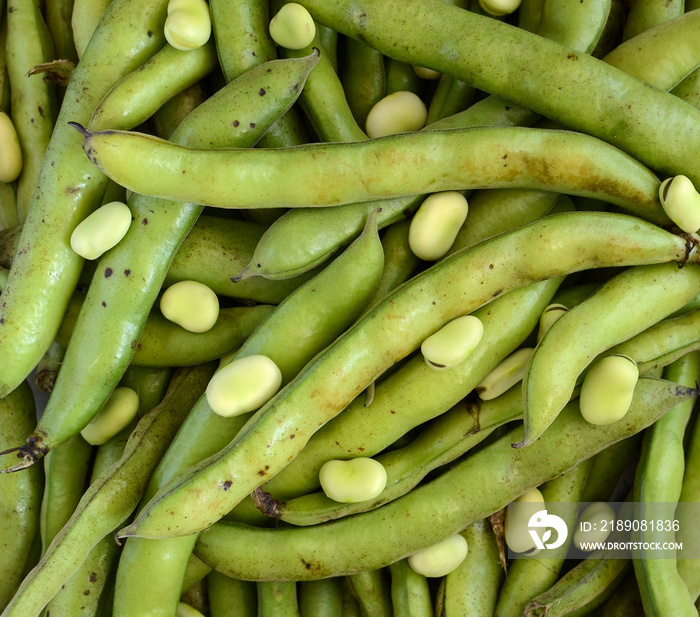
136, 97
112, 497
571, 88
373, 592
410, 592
459, 497
229, 597
20, 494
45, 270
363, 77
336, 174
321, 598
391, 331
628, 304
127, 283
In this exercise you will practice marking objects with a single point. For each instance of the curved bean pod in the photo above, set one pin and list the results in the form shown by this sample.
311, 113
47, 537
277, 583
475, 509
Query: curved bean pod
46, 269
465, 494
137, 96
112, 497
130, 276
20, 494
574, 89
391, 331
625, 306
335, 174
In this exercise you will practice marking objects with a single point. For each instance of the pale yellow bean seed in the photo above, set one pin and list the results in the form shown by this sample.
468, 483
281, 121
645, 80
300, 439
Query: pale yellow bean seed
426, 73
452, 344
246, 384
440, 559
548, 317
188, 25
185, 610
191, 305
681, 202
10, 150
436, 223
101, 231
607, 389
120, 409
517, 532
592, 525
399, 112
498, 8
292, 27
505, 375
352, 481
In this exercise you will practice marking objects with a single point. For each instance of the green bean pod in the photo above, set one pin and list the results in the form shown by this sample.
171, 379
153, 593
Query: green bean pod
130, 275
137, 96
322, 598
46, 269
625, 306
373, 592
689, 89
84, 20
277, 599
112, 497
33, 99
528, 578
395, 328
336, 174
48, 367
58, 20
20, 494
66, 473
472, 589
574, 89
363, 78
229, 597
400, 77
611, 36
443, 441
626, 601
645, 14
659, 479
459, 497
607, 467
573, 25
410, 594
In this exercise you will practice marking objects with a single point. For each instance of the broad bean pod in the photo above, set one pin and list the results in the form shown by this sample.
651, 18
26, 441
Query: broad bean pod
322, 598
575, 89
395, 328
46, 269
336, 174
410, 594
646, 14
112, 497
229, 597
58, 21
130, 275
626, 305
277, 599
459, 497
373, 592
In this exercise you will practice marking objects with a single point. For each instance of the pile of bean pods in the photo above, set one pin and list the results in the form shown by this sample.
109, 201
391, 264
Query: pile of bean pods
310, 292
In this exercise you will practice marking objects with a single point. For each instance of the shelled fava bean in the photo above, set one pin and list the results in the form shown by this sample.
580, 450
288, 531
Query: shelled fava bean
446, 167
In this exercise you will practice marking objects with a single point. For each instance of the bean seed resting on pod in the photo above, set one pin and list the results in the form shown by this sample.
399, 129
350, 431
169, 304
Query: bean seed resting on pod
191, 305
244, 385
452, 344
293, 27
436, 223
188, 25
426, 73
505, 375
399, 112
352, 481
681, 202
607, 389
120, 409
590, 527
185, 610
101, 231
440, 559
518, 516
498, 8
11, 159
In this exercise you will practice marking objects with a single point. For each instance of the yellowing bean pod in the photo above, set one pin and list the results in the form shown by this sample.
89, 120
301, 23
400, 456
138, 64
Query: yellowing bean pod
352, 481
191, 305
436, 224
442, 558
244, 385
117, 412
681, 202
398, 112
452, 343
292, 27
606, 393
11, 159
188, 24
101, 231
